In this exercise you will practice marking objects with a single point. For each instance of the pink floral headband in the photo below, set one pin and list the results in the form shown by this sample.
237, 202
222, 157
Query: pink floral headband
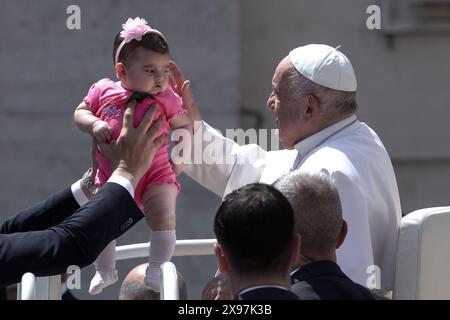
134, 29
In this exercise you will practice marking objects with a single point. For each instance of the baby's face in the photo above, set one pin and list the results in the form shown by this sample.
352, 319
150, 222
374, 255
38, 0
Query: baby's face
148, 72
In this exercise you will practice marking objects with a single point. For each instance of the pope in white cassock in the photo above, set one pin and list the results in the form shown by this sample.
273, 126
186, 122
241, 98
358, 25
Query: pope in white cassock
313, 98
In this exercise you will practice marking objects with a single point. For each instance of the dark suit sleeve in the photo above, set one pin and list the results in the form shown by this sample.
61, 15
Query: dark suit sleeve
42, 215
76, 241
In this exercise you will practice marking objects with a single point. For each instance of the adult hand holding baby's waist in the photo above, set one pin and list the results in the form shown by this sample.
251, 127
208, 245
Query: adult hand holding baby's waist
132, 153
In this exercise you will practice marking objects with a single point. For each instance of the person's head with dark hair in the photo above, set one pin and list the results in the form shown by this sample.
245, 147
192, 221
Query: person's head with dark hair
141, 57
133, 287
150, 41
256, 241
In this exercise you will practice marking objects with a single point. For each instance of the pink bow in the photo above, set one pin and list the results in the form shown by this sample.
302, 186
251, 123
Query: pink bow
134, 29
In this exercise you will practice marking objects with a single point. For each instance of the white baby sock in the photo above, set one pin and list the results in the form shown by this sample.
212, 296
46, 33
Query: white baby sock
162, 245
105, 266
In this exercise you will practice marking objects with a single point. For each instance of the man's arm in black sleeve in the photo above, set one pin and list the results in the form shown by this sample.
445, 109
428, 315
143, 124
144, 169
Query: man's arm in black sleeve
76, 241
44, 214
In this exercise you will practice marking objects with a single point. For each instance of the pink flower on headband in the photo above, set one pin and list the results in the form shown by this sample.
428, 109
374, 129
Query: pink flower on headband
134, 29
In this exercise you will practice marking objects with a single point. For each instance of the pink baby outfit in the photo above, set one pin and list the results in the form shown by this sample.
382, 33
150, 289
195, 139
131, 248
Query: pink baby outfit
107, 100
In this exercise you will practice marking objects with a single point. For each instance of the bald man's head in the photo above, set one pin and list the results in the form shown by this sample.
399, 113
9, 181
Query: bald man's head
133, 287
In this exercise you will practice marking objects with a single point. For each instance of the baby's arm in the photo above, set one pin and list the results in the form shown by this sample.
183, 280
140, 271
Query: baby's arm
89, 123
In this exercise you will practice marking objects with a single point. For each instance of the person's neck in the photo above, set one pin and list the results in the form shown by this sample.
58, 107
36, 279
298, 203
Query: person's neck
323, 125
336, 119
239, 283
310, 257
126, 86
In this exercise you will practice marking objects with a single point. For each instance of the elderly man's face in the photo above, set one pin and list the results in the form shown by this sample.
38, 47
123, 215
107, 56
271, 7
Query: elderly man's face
287, 109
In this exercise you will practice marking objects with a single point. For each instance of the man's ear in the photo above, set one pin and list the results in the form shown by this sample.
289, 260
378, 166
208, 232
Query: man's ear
221, 259
121, 71
343, 234
296, 246
312, 107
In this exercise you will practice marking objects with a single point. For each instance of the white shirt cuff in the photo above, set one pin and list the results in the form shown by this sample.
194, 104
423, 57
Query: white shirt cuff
123, 182
78, 193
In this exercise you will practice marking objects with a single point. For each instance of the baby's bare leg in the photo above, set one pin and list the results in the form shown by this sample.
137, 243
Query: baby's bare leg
159, 210
159, 206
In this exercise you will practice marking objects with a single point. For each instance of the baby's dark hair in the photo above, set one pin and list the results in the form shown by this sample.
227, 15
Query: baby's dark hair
150, 41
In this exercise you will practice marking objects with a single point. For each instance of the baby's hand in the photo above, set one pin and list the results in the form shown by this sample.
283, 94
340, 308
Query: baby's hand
101, 131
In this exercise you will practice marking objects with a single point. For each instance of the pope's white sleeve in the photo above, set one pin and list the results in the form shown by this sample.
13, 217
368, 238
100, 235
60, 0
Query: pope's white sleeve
216, 161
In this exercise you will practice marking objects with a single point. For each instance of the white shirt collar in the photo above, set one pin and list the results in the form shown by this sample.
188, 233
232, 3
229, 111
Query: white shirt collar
306, 145
261, 287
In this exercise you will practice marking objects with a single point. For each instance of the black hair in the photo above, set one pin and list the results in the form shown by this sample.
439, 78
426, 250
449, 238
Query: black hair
255, 227
150, 41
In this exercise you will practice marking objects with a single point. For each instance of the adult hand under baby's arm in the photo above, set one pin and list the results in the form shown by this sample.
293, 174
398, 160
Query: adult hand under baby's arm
132, 153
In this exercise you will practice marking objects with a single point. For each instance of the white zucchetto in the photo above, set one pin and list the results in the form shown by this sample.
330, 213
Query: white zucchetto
324, 65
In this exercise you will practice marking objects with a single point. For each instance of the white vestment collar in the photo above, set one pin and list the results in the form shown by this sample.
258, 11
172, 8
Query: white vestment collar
306, 145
